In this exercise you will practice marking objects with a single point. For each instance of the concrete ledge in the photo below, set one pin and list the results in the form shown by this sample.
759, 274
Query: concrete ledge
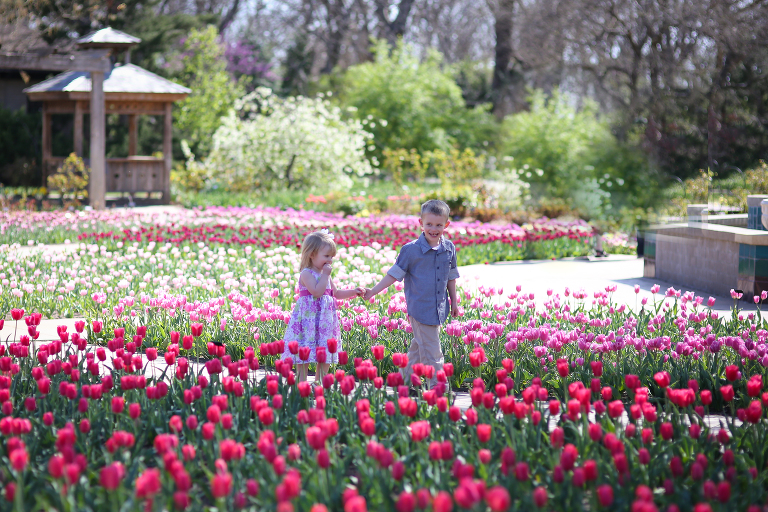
719, 232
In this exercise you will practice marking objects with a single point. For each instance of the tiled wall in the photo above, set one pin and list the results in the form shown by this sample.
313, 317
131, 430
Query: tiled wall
649, 256
753, 270
753, 218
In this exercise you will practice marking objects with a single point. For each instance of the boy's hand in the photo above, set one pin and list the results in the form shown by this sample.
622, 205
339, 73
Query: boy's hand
368, 294
327, 269
360, 291
454, 310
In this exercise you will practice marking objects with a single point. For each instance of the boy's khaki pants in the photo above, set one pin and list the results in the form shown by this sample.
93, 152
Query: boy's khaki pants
424, 349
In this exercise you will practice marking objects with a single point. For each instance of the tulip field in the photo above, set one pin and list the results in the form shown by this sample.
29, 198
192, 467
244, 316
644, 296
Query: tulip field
169, 394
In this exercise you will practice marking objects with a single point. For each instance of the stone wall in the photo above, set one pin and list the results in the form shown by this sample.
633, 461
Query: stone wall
714, 258
701, 263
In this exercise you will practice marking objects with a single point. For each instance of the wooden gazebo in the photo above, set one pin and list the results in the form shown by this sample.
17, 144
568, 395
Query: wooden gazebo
128, 90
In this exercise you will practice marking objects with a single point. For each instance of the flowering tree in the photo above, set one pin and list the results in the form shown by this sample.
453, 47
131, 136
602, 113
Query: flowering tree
269, 141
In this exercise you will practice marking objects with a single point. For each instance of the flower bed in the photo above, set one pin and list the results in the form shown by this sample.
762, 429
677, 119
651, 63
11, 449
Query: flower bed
272, 227
84, 428
577, 402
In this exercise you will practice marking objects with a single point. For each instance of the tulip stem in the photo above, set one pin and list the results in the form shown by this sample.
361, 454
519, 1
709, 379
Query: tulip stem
18, 497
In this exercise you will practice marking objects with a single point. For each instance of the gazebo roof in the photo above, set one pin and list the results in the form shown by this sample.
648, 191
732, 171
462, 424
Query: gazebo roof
123, 79
107, 38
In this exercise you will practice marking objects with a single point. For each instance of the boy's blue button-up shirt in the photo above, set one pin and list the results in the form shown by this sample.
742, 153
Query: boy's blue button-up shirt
426, 272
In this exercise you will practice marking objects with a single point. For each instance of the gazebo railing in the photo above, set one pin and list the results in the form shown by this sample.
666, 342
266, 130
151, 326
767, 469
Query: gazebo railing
130, 174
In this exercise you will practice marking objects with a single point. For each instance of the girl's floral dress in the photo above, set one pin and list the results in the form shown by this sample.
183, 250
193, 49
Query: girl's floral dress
312, 322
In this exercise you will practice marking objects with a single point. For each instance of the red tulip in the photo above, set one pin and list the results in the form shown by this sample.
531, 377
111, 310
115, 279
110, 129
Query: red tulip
590, 470
148, 483
568, 457
483, 433
19, 459
398, 470
597, 368
111, 476
540, 497
557, 437
378, 352
605, 495
663, 379
221, 485
197, 329
323, 458
442, 502
498, 499
727, 392
732, 373
406, 502
563, 368
595, 432
333, 345
755, 385
521, 471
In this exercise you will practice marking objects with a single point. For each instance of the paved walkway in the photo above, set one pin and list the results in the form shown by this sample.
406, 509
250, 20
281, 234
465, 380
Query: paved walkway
593, 274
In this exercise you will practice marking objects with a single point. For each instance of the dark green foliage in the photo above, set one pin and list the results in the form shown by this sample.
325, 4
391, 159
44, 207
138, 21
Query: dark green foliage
20, 150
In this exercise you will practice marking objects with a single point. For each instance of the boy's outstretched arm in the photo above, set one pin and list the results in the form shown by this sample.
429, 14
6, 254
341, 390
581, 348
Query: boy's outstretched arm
452, 297
385, 283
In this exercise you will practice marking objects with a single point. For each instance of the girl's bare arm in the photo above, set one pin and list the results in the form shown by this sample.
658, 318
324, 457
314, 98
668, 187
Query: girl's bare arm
316, 288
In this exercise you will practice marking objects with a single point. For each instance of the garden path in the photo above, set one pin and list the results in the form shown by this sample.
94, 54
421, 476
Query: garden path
591, 274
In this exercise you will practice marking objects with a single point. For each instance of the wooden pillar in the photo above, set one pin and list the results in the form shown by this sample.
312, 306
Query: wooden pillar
167, 152
133, 134
98, 188
47, 142
79, 129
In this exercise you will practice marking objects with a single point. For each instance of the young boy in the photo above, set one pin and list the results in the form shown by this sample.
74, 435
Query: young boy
428, 268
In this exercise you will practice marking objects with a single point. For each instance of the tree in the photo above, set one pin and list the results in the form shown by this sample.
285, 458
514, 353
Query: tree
204, 71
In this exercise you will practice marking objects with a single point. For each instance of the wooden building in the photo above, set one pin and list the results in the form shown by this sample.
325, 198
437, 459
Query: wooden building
127, 90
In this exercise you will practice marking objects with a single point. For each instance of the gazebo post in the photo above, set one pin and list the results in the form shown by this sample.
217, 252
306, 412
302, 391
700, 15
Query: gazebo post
78, 136
167, 152
97, 185
47, 143
133, 135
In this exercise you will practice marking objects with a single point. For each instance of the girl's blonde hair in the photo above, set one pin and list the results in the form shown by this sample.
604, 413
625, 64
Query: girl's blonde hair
313, 243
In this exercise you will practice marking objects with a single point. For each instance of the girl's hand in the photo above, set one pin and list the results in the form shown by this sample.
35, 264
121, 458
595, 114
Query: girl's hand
360, 291
327, 269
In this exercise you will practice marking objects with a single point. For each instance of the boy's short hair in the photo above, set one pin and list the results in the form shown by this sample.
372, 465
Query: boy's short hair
436, 207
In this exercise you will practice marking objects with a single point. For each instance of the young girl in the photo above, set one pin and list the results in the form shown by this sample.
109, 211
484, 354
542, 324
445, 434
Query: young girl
314, 318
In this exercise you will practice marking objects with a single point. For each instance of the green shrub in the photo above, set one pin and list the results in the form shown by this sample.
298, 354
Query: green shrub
410, 104
571, 154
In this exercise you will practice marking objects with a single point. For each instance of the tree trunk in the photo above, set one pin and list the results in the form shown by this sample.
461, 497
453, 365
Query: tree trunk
503, 76
392, 30
228, 18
